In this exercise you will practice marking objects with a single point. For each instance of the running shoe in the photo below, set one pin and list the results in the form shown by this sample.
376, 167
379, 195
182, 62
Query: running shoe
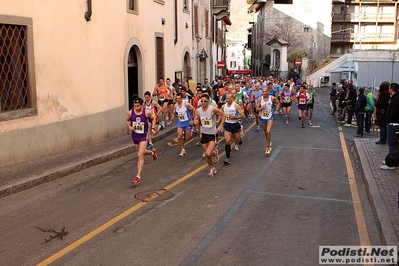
303, 126
212, 172
358, 135
310, 123
150, 146
199, 144
286, 122
182, 153
227, 161
240, 142
203, 155
236, 147
257, 128
386, 167
215, 158
268, 150
347, 125
154, 154
136, 181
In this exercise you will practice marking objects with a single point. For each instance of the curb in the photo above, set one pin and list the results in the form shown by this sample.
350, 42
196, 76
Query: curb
74, 167
384, 226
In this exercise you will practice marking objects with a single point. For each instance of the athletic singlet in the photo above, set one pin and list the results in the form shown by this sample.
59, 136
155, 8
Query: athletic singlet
150, 107
183, 114
257, 94
311, 94
230, 110
266, 113
286, 96
239, 97
162, 93
208, 121
139, 122
302, 97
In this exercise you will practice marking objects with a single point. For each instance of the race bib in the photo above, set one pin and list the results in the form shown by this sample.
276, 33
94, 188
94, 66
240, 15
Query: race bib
138, 127
266, 114
302, 101
183, 117
287, 99
206, 122
161, 97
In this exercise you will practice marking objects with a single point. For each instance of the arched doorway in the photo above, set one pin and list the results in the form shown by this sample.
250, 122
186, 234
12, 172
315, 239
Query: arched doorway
133, 75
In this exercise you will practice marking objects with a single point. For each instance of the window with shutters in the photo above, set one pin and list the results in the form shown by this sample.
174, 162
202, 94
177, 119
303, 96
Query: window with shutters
196, 31
17, 88
159, 57
207, 24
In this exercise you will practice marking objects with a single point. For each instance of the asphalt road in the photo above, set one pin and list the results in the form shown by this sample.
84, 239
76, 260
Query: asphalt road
260, 210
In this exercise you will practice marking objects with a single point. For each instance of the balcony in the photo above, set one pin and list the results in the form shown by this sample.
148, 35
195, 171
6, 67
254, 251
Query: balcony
220, 6
374, 37
373, 17
346, 17
341, 37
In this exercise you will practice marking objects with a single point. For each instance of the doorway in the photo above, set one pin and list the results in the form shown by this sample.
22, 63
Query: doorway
133, 76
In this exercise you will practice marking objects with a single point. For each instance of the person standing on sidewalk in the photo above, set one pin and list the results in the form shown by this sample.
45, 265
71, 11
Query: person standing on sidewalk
360, 110
369, 110
392, 120
206, 115
381, 108
137, 123
334, 98
350, 100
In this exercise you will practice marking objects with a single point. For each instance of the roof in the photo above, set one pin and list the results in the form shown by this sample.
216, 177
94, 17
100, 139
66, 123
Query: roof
281, 41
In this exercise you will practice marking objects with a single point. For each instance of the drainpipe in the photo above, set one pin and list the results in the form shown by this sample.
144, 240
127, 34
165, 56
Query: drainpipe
89, 11
176, 21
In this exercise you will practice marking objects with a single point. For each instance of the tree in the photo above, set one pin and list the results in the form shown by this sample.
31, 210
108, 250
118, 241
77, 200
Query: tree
295, 55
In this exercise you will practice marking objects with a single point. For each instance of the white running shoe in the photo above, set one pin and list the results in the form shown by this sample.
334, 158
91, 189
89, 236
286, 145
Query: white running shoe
386, 167
236, 147
182, 153
212, 172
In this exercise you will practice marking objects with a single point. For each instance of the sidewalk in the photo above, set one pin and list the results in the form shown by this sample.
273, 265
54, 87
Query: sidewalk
382, 188
18, 178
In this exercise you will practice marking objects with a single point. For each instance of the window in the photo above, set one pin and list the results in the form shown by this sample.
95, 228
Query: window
233, 54
159, 57
196, 31
132, 6
233, 64
185, 5
17, 86
207, 24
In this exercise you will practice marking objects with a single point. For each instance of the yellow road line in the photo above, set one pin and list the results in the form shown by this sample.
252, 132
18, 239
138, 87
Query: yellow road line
121, 216
357, 205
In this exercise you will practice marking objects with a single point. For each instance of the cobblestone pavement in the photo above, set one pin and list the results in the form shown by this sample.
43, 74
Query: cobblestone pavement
382, 187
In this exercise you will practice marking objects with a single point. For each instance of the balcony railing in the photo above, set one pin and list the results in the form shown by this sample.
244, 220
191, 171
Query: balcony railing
221, 3
364, 17
373, 37
341, 37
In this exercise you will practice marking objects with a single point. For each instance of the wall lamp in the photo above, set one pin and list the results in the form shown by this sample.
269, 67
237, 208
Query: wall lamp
89, 11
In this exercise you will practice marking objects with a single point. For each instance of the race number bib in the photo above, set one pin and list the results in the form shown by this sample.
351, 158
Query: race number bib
287, 99
138, 127
266, 114
183, 117
206, 122
161, 97
302, 101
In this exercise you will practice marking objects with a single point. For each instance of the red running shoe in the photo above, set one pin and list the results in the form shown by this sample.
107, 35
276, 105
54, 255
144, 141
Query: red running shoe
136, 181
154, 154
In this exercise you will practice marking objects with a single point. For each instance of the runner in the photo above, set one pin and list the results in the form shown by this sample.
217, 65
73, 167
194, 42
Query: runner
264, 105
309, 109
287, 96
302, 100
256, 95
206, 115
137, 122
152, 106
184, 122
232, 126
162, 93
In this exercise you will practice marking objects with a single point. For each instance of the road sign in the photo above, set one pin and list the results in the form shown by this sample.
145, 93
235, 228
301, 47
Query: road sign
221, 64
298, 62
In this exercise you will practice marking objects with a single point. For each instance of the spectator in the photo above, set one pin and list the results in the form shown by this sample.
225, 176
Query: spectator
369, 110
360, 110
334, 98
381, 107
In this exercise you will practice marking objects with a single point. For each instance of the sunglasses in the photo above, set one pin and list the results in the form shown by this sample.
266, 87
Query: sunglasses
204, 101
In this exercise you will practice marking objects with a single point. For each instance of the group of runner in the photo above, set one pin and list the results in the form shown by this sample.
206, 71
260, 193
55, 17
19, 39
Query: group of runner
218, 107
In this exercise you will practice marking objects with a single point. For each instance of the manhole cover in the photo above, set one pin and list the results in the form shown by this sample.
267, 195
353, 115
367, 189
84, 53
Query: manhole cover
149, 195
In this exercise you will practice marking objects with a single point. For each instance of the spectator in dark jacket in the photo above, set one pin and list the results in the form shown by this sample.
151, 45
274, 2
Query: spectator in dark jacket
350, 100
381, 107
360, 110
